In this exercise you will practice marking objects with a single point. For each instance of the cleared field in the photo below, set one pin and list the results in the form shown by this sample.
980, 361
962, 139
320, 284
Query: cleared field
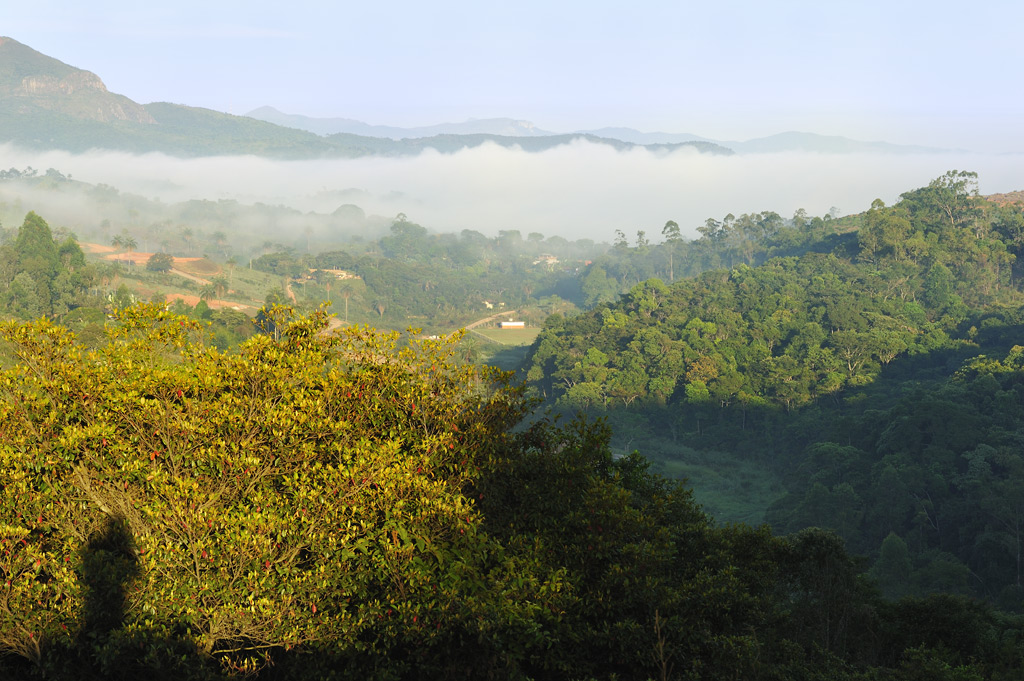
730, 489
198, 267
509, 336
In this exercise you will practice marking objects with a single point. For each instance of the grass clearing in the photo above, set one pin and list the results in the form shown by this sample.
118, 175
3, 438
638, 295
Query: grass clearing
730, 488
509, 336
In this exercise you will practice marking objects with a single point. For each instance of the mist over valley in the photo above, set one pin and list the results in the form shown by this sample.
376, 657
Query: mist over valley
576, 190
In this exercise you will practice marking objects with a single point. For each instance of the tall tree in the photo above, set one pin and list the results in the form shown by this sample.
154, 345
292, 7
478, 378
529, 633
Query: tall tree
672, 240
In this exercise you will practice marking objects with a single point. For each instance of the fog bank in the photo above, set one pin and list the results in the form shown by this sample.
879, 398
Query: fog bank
578, 190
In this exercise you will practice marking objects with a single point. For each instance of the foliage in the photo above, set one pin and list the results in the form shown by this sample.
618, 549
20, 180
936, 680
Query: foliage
41, 276
833, 374
240, 533
328, 494
931, 484
364, 505
160, 262
780, 335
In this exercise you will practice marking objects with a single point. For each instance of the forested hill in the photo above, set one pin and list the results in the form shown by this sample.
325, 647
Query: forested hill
842, 375
795, 328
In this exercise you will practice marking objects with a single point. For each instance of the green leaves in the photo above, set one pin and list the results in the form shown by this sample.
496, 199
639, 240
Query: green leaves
275, 497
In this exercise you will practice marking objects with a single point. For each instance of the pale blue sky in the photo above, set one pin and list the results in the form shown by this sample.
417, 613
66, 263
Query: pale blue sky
936, 73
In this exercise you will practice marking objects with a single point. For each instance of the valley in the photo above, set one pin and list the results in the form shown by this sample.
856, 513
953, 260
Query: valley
286, 397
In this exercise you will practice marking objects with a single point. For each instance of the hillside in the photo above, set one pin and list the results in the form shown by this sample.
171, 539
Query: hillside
192, 496
360, 506
868, 382
46, 104
31, 82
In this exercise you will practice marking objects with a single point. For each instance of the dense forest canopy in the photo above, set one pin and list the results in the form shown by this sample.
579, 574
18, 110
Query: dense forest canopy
336, 505
190, 494
845, 375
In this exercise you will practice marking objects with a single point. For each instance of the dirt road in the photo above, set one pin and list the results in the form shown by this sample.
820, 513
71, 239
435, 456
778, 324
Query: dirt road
503, 313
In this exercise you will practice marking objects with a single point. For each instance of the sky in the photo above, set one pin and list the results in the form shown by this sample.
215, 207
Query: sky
937, 73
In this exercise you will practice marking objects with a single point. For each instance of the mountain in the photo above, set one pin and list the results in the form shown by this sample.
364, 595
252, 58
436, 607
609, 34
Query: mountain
637, 137
447, 144
823, 144
47, 104
783, 142
31, 82
506, 127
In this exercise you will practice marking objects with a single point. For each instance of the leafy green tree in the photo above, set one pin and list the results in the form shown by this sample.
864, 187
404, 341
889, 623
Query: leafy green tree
893, 567
598, 287
360, 499
672, 239
25, 301
253, 539
41, 277
220, 285
160, 262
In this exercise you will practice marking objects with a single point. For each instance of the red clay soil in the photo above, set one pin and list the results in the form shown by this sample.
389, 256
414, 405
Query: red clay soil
111, 253
192, 301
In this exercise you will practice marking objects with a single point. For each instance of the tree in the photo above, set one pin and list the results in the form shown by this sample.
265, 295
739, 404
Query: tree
230, 527
406, 241
893, 567
642, 242
36, 255
598, 287
160, 262
220, 239
672, 240
346, 290
621, 244
40, 275
25, 302
951, 198
220, 285
361, 498
186, 235
510, 239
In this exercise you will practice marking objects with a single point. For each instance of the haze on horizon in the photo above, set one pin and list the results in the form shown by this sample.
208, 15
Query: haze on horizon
581, 190
899, 72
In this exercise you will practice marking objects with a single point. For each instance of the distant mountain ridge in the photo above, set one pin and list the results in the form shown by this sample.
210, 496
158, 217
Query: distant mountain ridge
637, 137
509, 127
506, 127
47, 104
823, 144
782, 142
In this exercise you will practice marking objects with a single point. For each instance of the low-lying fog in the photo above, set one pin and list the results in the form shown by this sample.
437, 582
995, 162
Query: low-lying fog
578, 190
